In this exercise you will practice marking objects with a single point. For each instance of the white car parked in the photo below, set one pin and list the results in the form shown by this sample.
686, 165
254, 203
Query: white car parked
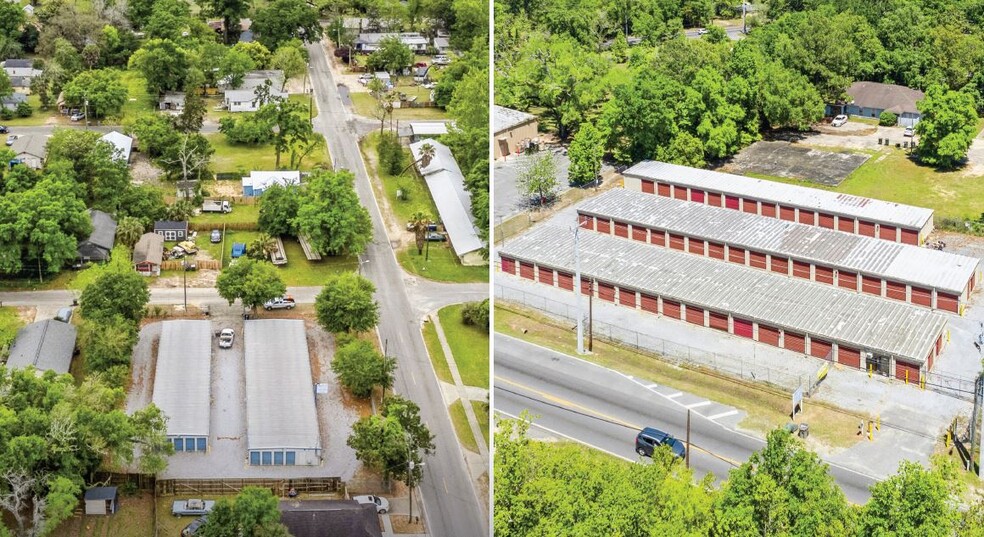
226, 337
382, 504
839, 120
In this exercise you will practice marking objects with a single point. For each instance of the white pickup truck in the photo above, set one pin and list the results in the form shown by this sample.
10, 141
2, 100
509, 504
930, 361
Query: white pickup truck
216, 206
279, 303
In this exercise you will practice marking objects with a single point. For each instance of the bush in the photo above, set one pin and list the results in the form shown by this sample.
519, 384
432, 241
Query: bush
24, 109
888, 119
360, 368
390, 153
6, 114
476, 314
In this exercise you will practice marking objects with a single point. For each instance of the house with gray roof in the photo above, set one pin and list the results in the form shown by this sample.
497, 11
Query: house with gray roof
44, 345
512, 129
870, 99
368, 42
122, 145
100, 242
20, 72
317, 518
11, 101
31, 150
148, 254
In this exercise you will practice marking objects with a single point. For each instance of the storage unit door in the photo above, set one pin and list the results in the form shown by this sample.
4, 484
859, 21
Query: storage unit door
824, 274
663, 189
585, 221
603, 225
847, 280
801, 269
657, 237
585, 286
606, 292
676, 242
780, 265
769, 335
715, 250
947, 302
743, 328
696, 246
820, 348
736, 255
895, 290
626, 297
680, 192
827, 220
696, 195
650, 303
866, 228
565, 281
794, 342
749, 206
787, 213
545, 275
648, 187
757, 259
768, 209
714, 199
508, 265
849, 356
806, 217
640, 234
526, 270
845, 224
731, 202
671, 309
621, 229
887, 232
910, 236
695, 315
901, 368
870, 285
719, 321
923, 297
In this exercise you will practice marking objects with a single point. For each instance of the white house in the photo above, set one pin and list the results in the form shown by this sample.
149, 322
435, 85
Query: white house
20, 72
257, 182
31, 150
122, 145
244, 100
369, 42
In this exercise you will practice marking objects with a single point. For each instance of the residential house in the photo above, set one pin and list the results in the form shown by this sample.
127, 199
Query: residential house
148, 254
11, 101
421, 75
383, 77
20, 72
256, 182
31, 150
512, 130
245, 100
443, 44
171, 230
318, 518
256, 78
368, 42
172, 100
447, 186
45, 345
246, 36
100, 242
122, 145
29, 10
870, 99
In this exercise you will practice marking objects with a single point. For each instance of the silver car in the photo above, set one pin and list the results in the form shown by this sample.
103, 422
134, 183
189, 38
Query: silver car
226, 337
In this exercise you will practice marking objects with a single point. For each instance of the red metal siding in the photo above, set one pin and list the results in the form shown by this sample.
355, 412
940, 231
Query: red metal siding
939, 344
545, 275
743, 328
565, 281
603, 225
671, 309
731, 202
719, 321
807, 217
845, 224
696, 195
663, 189
866, 228
626, 297
749, 206
650, 303
757, 259
585, 221
801, 269
696, 246
586, 287
648, 187
910, 236
787, 213
929, 361
923, 297
526, 270
827, 220
901, 368
895, 290
621, 229
769, 335
606, 292
680, 192
780, 265
657, 237
849, 356
794, 342
887, 232
714, 199
847, 280
824, 274
715, 250
695, 315
736, 255
820, 348
640, 234
769, 209
676, 242
870, 285
947, 302
508, 265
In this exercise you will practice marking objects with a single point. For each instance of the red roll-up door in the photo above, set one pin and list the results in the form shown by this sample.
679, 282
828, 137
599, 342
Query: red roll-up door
677, 242
866, 228
585, 221
757, 259
845, 224
508, 265
606, 292
888, 233
648, 187
923, 297
603, 225
545, 275
695, 315
719, 321
848, 356
824, 274
696, 246
715, 250
621, 229
780, 265
787, 213
736, 255
671, 309
901, 368
626, 297
910, 236
847, 280
650, 303
714, 199
768, 209
939, 344
794, 342
565, 281
929, 361
827, 220
586, 287
743, 328
807, 217
526, 270
801, 269
731, 202
768, 335
657, 237
870, 285
749, 206
947, 302
663, 189
895, 290
640, 234
820, 348
680, 192
696, 195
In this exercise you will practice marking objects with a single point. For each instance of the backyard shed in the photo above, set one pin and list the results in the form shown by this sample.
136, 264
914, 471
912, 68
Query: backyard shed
45, 345
102, 501
182, 382
512, 129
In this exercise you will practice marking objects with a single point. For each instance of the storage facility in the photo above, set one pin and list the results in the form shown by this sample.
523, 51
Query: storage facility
903, 272
182, 382
854, 329
843, 212
281, 418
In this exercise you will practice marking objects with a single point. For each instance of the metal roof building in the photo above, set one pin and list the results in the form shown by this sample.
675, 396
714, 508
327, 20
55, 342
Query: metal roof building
865, 264
281, 418
798, 315
45, 345
853, 214
183, 380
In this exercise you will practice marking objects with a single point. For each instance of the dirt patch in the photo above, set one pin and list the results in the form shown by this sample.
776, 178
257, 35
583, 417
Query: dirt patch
143, 171
401, 525
783, 159
27, 314
200, 278
395, 233
224, 188
848, 129
959, 243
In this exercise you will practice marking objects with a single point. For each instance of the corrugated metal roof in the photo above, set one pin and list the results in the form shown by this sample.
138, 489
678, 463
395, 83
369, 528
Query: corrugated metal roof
886, 212
183, 378
447, 186
504, 118
280, 408
899, 262
801, 306
45, 345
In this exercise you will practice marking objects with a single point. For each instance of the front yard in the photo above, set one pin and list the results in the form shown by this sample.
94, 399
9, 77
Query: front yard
239, 158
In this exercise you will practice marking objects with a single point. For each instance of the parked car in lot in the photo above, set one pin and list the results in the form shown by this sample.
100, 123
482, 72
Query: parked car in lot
280, 303
650, 438
215, 236
3, 129
909, 131
365, 78
238, 249
382, 504
701, 31
191, 529
226, 338
10, 139
436, 237
78, 116
839, 120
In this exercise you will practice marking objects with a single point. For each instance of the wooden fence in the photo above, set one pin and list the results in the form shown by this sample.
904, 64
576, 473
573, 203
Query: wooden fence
204, 264
235, 226
115, 479
280, 487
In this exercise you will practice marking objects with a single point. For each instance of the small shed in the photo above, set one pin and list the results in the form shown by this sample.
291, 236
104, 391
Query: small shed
172, 100
172, 230
383, 76
102, 501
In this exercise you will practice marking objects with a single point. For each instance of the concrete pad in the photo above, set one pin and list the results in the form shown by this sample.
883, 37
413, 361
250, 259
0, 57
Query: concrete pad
783, 159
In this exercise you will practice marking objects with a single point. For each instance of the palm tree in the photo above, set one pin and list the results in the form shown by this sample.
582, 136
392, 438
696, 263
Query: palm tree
418, 224
427, 152
129, 230
262, 247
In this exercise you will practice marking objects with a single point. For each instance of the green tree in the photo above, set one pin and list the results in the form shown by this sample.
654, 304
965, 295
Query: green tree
914, 501
103, 90
471, 23
685, 149
168, 19
143, 202
5, 88
947, 127
290, 61
330, 215
231, 11
418, 224
360, 368
392, 442
107, 343
252, 129
123, 294
283, 20
93, 165
538, 176
585, 152
390, 152
392, 56
255, 512
788, 99
253, 282
163, 64
346, 304
290, 127
278, 208
155, 133
255, 50
192, 116
234, 66
129, 230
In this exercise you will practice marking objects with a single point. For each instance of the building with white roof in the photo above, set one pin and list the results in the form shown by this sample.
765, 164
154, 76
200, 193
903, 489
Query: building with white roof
256, 182
182, 382
122, 144
512, 130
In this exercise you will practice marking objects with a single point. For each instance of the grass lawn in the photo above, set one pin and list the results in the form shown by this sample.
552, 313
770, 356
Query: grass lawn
461, 427
10, 322
469, 345
436, 352
482, 414
132, 520
213, 105
440, 265
39, 117
51, 281
300, 272
241, 212
229, 158
364, 103
416, 196
138, 100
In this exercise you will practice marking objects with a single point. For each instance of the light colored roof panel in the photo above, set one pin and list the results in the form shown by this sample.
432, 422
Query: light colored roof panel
871, 256
280, 407
504, 118
854, 319
447, 186
122, 144
429, 128
183, 378
263, 180
884, 212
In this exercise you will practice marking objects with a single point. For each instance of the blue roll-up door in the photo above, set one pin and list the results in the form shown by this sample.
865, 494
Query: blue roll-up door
267, 458
278, 458
254, 458
179, 444
202, 444
291, 458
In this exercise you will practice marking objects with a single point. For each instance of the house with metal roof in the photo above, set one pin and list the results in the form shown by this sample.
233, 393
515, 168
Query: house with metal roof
447, 187
122, 145
852, 214
254, 79
258, 181
31, 150
846, 327
512, 129
422, 130
100, 242
148, 254
281, 417
12, 101
45, 345
245, 100
903, 272
182, 382
20, 71
172, 100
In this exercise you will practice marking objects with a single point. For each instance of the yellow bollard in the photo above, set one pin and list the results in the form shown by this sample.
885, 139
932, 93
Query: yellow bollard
907, 376
869, 370
869, 430
878, 422
922, 383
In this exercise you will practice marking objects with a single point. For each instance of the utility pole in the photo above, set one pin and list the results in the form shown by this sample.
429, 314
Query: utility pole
744, 11
591, 316
974, 436
577, 288
184, 265
688, 439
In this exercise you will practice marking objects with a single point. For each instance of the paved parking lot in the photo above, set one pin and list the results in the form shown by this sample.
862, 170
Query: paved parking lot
785, 159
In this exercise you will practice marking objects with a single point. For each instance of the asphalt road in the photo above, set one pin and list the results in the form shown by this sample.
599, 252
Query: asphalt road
450, 501
605, 409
